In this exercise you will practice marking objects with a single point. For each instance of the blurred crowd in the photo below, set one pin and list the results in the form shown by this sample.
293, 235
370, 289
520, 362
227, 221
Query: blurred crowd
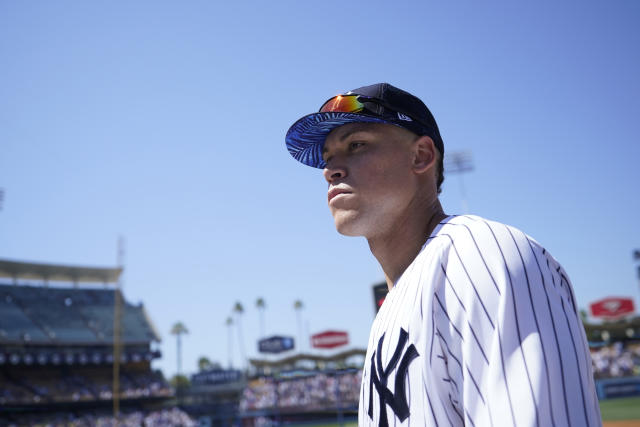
163, 418
616, 360
307, 391
326, 391
75, 387
318, 391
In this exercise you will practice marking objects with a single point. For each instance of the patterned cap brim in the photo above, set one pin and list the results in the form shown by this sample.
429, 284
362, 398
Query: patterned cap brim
305, 138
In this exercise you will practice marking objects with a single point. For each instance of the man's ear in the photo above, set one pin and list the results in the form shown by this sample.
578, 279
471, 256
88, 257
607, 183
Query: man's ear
424, 151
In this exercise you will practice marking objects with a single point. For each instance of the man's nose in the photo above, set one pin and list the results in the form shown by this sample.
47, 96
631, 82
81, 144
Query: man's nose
333, 171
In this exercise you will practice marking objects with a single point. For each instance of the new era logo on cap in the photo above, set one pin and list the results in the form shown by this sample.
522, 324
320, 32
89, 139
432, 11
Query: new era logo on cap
404, 117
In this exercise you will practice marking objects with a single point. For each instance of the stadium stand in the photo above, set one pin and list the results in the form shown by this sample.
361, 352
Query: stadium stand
39, 315
214, 396
57, 351
615, 353
57, 363
302, 387
296, 388
616, 360
311, 392
155, 418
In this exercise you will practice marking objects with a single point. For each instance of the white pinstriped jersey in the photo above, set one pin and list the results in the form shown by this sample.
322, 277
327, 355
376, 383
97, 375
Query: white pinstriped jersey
482, 329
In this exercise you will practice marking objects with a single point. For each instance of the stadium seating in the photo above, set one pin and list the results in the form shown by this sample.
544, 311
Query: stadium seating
38, 314
57, 351
39, 385
315, 391
616, 360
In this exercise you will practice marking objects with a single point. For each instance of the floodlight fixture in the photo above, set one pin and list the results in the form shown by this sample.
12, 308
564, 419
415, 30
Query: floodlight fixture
459, 162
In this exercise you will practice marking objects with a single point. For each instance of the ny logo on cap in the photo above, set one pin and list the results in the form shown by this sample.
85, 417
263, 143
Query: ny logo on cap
397, 399
404, 117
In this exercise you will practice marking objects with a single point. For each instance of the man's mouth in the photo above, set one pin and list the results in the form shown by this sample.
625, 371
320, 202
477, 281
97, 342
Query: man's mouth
334, 192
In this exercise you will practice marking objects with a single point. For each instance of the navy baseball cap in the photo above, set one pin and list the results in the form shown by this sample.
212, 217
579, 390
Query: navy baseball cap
378, 103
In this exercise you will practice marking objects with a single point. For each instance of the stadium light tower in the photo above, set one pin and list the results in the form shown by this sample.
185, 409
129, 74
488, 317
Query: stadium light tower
117, 329
459, 162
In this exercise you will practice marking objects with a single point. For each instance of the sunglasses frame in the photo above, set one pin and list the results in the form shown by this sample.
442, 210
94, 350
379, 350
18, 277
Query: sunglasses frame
378, 104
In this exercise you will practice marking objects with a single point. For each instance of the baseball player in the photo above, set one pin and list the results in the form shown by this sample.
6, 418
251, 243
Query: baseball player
480, 326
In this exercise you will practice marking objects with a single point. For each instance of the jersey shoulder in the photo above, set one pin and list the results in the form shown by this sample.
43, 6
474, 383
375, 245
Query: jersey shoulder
475, 236
463, 229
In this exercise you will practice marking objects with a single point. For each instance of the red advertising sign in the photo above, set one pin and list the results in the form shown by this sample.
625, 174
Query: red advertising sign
612, 308
379, 294
329, 339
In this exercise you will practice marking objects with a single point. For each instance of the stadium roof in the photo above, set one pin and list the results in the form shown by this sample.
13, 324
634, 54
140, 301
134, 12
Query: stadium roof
63, 273
305, 356
620, 330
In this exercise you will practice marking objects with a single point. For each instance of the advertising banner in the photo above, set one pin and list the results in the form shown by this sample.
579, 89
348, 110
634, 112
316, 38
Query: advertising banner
618, 387
216, 376
379, 294
275, 344
329, 339
612, 308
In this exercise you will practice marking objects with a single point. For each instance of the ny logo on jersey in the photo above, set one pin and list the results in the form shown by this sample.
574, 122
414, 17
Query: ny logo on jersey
379, 376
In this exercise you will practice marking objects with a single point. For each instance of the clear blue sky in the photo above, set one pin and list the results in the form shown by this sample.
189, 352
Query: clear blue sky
164, 122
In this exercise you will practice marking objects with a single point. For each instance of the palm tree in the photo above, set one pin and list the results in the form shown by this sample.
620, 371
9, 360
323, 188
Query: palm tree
204, 364
178, 330
261, 305
229, 324
298, 306
584, 316
238, 309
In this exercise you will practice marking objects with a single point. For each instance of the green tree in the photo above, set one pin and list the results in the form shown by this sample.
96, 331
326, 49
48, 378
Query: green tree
584, 316
179, 382
204, 364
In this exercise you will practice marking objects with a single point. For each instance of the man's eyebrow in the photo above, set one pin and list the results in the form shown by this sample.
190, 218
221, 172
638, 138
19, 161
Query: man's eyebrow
346, 135
349, 133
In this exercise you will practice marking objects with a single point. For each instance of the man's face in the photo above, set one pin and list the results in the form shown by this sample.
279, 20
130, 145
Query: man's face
369, 171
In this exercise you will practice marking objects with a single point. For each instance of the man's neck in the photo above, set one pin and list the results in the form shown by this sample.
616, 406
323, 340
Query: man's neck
398, 247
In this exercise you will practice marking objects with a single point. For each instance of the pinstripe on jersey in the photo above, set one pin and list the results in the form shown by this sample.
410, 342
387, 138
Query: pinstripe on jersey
498, 341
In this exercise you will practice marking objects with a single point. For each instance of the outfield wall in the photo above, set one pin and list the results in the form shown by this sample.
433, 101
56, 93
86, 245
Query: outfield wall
618, 387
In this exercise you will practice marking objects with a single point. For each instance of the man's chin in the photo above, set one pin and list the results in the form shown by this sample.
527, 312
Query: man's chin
347, 232
348, 226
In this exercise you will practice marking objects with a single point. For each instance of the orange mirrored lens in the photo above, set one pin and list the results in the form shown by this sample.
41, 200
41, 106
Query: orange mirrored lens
343, 104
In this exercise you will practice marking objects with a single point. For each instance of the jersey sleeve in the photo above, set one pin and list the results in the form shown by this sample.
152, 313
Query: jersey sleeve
508, 330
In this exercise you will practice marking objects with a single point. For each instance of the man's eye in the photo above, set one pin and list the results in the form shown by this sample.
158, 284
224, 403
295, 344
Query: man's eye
355, 145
